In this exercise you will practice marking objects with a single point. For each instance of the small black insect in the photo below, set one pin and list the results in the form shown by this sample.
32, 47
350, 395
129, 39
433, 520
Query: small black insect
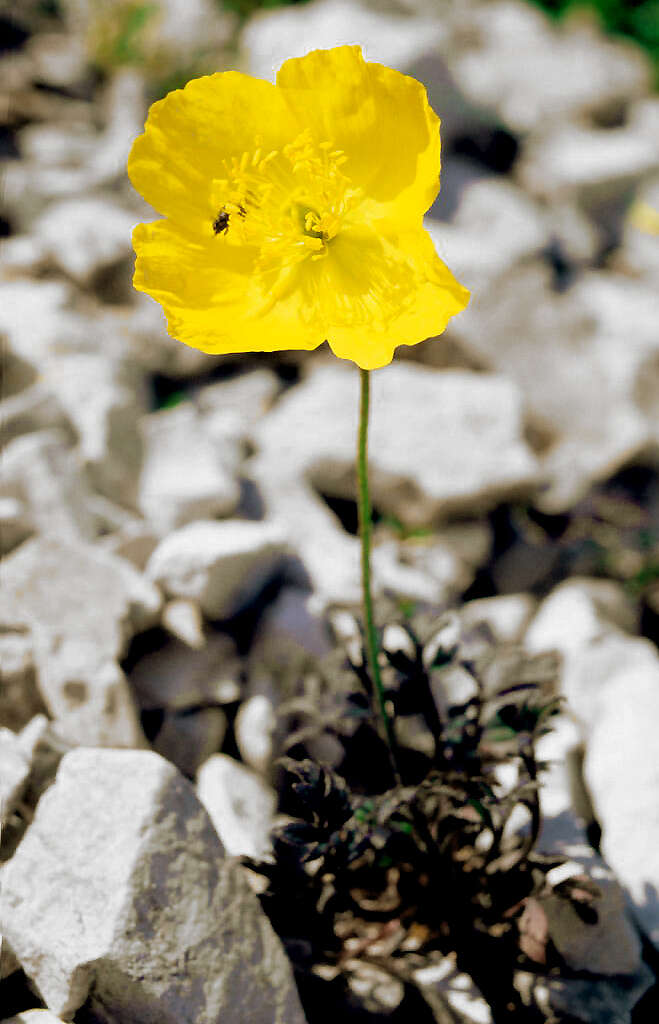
221, 222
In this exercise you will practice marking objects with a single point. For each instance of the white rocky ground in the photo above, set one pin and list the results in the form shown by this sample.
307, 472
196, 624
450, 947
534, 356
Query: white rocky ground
117, 516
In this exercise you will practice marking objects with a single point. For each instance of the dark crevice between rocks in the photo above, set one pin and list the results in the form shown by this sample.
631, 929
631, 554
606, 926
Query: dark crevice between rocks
17, 995
12, 35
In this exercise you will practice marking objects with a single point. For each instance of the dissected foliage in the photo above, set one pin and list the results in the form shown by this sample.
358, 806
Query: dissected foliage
442, 862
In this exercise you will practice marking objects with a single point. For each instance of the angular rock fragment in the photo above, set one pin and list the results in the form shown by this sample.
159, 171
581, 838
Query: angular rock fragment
513, 58
33, 1017
83, 607
221, 565
43, 471
240, 804
86, 235
611, 681
177, 677
441, 441
189, 738
119, 899
185, 476
102, 398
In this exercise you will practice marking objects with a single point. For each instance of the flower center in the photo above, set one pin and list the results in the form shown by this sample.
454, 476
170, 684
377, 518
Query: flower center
289, 203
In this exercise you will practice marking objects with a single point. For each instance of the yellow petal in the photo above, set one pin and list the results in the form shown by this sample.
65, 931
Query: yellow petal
436, 297
208, 292
191, 134
378, 117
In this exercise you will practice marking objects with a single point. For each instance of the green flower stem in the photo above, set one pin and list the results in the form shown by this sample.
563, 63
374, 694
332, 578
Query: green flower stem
365, 525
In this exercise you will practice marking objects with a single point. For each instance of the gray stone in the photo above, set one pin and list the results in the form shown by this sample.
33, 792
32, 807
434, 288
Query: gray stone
43, 471
33, 1017
103, 399
495, 228
15, 523
36, 318
532, 71
221, 565
611, 681
177, 677
83, 607
59, 58
85, 235
119, 899
183, 619
184, 476
597, 165
188, 739
507, 615
135, 541
66, 160
34, 408
233, 404
254, 729
563, 351
442, 442
390, 38
240, 804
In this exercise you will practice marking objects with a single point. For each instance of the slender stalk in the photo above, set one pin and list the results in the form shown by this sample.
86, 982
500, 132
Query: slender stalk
365, 525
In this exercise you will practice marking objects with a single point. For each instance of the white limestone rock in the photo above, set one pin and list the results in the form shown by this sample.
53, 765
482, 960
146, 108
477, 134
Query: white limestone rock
221, 565
185, 476
35, 408
58, 58
183, 620
86, 235
83, 607
441, 442
507, 615
533, 72
611, 682
43, 471
103, 399
119, 899
233, 405
496, 227
271, 37
64, 161
594, 164
254, 730
33, 1017
240, 804
563, 351
34, 316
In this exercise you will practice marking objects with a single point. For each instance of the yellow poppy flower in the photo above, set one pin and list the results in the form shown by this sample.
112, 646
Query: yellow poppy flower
294, 212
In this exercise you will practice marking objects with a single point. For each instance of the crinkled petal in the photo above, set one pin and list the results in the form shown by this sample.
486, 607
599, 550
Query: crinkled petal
209, 293
381, 120
437, 296
191, 133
